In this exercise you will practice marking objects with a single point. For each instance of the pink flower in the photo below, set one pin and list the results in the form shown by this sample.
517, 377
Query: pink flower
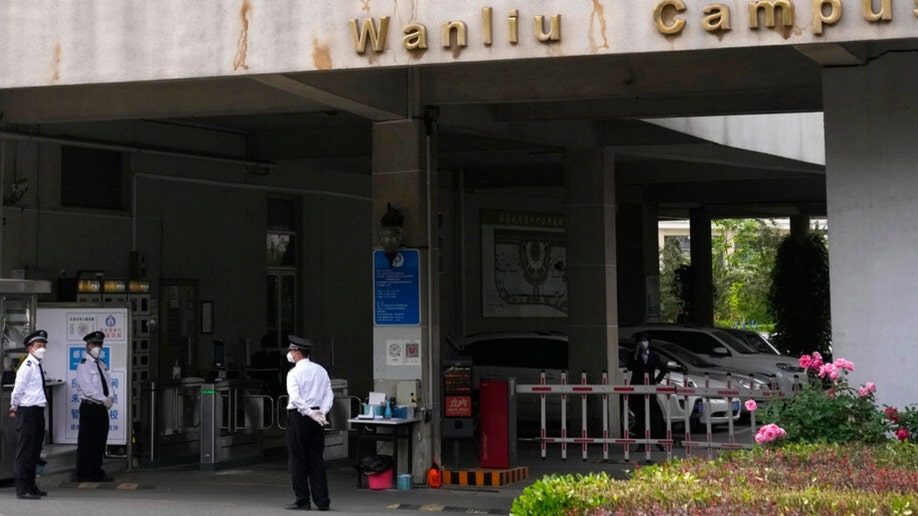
828, 370
805, 361
817, 360
751, 406
769, 433
867, 389
841, 363
902, 434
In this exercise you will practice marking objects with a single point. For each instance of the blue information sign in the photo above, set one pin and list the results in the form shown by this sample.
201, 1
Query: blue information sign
397, 288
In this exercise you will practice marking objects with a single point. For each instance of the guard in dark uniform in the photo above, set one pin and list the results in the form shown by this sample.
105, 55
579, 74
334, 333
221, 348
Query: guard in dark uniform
311, 397
94, 387
27, 406
647, 363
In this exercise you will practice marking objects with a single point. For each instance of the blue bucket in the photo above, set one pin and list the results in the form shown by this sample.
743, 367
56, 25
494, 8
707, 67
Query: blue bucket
404, 482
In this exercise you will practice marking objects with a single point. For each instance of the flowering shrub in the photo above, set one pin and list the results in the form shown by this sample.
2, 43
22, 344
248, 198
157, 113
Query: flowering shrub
827, 409
904, 424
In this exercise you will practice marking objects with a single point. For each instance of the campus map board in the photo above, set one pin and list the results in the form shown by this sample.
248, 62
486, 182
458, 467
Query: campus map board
66, 325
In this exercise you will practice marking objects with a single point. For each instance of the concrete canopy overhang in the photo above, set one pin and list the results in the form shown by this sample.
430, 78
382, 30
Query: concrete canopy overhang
503, 123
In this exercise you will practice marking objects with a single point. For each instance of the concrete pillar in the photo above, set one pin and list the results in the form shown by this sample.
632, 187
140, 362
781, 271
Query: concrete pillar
799, 225
404, 175
591, 269
702, 269
872, 194
638, 257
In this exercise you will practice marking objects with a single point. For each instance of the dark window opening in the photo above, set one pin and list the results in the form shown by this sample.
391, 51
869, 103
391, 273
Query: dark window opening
91, 178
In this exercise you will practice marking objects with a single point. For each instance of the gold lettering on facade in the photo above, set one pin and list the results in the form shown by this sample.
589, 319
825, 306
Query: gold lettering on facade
513, 23
769, 7
461, 31
415, 37
885, 13
487, 26
820, 17
554, 31
915, 11
718, 18
370, 32
668, 9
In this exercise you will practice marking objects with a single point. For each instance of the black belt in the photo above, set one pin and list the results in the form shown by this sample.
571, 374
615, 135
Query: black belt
91, 402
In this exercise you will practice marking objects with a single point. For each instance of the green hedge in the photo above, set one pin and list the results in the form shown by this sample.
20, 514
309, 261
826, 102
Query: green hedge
795, 479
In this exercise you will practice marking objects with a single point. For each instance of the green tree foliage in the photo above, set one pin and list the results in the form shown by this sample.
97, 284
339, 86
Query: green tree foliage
743, 254
799, 295
671, 258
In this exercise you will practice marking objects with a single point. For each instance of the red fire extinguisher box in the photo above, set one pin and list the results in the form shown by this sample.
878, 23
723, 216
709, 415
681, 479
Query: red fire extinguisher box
498, 423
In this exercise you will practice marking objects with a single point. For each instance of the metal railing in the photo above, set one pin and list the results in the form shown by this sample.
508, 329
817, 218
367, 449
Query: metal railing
667, 389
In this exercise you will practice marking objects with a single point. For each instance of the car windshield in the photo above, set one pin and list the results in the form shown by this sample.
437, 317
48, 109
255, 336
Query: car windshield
681, 355
755, 340
735, 343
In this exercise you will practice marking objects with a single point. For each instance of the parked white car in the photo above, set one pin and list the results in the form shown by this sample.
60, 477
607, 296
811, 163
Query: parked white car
718, 410
524, 355
723, 349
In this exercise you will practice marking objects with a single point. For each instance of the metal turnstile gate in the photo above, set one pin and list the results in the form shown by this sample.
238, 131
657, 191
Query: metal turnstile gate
232, 412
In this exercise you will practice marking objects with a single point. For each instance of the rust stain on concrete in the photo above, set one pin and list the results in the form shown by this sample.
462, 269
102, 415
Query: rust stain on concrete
321, 55
56, 63
598, 16
242, 45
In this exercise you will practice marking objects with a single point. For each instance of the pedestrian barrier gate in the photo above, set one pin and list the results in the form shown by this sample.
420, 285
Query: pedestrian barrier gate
643, 393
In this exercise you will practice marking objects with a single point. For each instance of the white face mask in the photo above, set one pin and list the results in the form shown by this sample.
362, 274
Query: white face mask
95, 352
644, 345
40, 353
290, 356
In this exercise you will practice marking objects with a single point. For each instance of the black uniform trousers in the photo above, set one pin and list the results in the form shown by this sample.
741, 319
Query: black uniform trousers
30, 434
91, 441
305, 444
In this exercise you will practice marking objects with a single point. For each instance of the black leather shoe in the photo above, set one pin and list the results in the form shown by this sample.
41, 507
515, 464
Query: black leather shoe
28, 496
322, 508
297, 507
39, 492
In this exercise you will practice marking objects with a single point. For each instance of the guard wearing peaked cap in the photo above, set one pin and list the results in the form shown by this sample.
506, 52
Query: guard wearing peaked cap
27, 405
96, 337
38, 335
310, 398
94, 387
301, 344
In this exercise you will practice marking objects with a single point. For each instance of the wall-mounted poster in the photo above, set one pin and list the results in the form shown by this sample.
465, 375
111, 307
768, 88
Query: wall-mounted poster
523, 264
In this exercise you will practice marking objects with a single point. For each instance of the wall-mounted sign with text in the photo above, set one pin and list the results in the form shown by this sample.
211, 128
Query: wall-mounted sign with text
397, 288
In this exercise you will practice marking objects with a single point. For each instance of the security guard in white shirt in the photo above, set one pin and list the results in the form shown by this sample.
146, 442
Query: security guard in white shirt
27, 405
94, 387
310, 399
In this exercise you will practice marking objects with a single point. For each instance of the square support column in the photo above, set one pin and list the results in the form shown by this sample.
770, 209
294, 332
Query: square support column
404, 175
872, 194
591, 268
